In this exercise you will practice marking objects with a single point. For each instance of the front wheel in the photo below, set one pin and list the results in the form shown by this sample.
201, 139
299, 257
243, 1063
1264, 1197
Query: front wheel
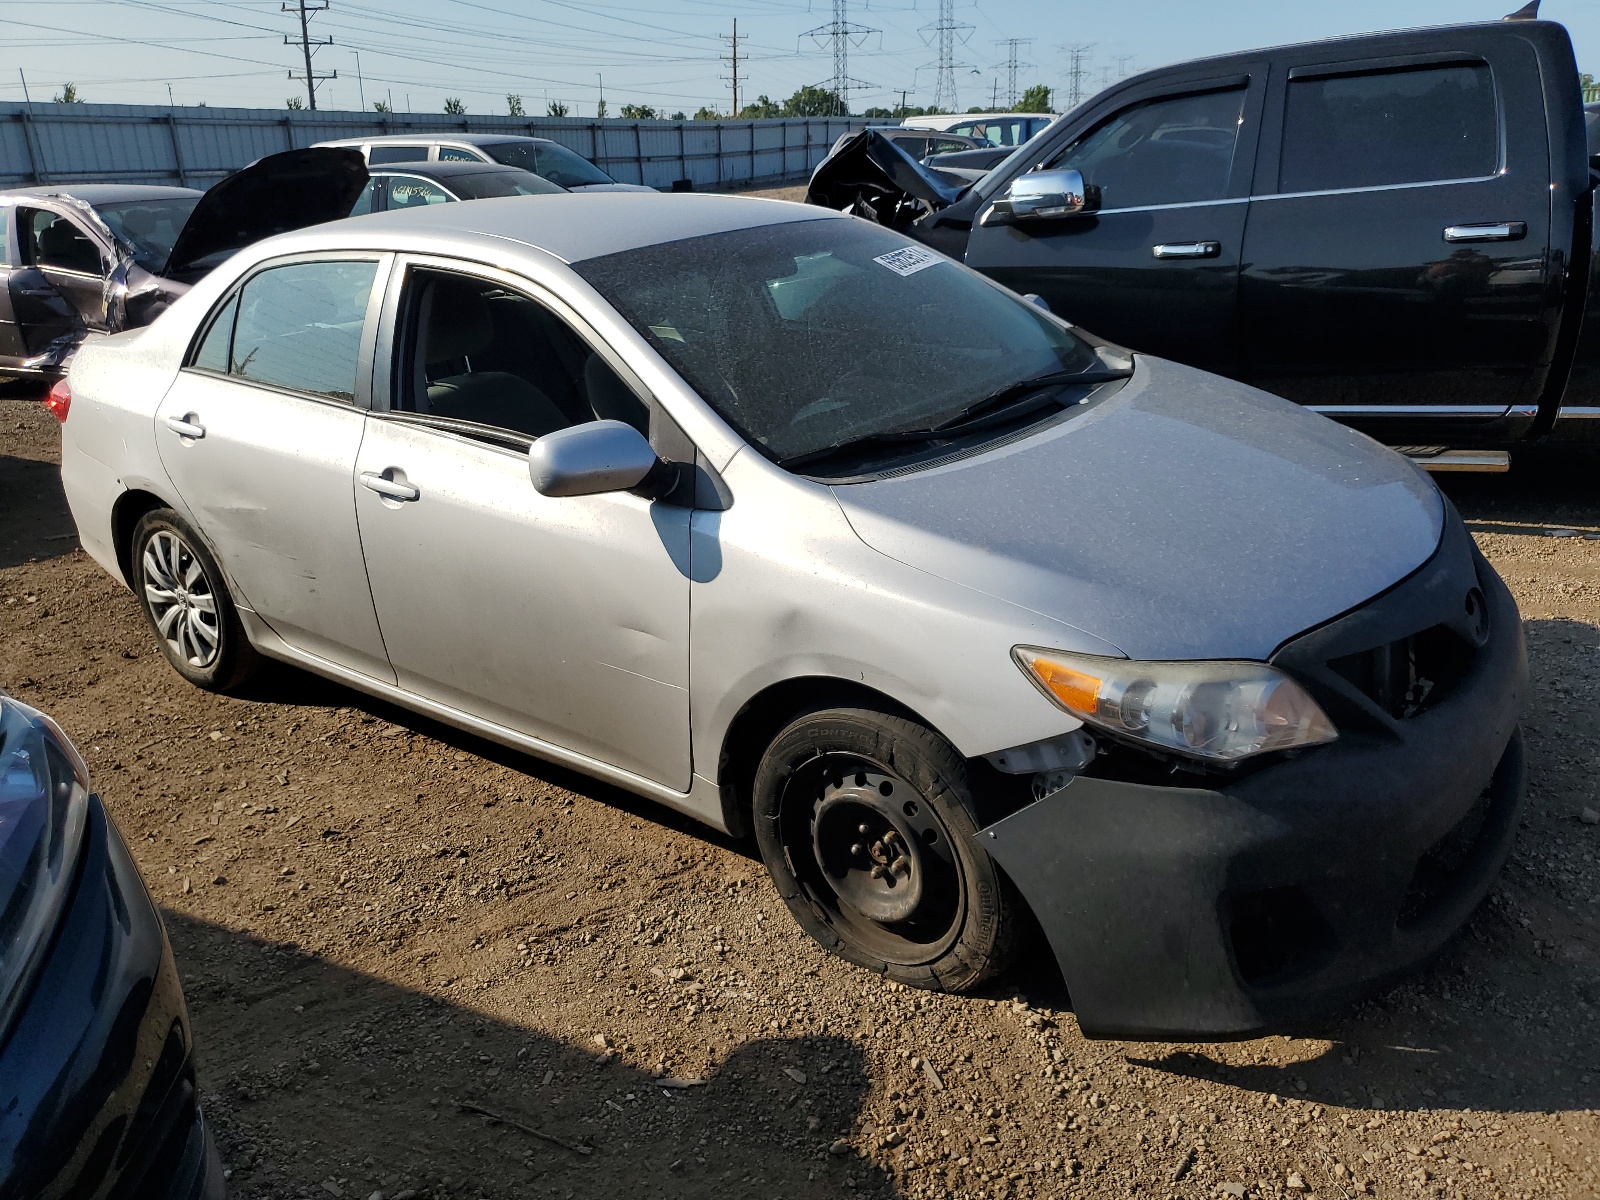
184, 599
865, 821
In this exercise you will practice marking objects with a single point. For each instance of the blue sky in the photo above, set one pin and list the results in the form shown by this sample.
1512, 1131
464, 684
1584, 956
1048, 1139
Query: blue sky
667, 53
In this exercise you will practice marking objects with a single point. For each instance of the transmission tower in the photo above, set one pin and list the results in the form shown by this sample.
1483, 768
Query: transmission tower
843, 33
1122, 64
1012, 65
308, 45
1077, 71
945, 32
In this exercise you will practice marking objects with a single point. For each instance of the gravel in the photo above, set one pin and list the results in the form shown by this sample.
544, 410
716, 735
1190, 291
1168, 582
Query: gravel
414, 920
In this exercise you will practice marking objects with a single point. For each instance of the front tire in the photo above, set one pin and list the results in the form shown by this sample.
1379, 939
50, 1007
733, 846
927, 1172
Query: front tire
186, 604
865, 821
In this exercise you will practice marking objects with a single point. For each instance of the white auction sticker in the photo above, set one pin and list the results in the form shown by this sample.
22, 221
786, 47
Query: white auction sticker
908, 260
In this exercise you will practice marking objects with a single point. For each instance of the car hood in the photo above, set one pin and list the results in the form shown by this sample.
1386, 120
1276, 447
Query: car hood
272, 195
1186, 517
611, 187
869, 176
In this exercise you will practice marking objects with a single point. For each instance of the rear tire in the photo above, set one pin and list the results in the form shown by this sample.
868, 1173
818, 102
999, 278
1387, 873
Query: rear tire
185, 601
865, 821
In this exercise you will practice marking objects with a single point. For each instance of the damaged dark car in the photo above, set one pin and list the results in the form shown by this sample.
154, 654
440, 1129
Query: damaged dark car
84, 260
1395, 230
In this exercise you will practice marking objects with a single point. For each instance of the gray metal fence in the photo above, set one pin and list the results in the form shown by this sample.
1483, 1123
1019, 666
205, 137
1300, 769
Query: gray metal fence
137, 143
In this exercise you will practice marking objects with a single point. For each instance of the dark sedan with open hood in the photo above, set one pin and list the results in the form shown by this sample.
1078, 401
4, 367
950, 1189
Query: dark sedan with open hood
81, 260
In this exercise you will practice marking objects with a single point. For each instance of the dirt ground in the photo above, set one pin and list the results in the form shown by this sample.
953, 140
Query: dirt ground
381, 922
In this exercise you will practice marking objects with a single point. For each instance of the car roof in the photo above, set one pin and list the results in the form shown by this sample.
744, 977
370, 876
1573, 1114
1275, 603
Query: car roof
445, 170
578, 226
428, 139
105, 193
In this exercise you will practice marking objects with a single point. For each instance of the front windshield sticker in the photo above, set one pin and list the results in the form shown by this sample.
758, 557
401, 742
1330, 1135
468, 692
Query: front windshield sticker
908, 260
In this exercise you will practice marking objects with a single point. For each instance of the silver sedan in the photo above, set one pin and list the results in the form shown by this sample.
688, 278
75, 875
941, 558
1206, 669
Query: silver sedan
798, 527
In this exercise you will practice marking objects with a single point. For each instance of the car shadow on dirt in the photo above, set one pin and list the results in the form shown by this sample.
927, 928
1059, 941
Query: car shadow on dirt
37, 523
319, 1078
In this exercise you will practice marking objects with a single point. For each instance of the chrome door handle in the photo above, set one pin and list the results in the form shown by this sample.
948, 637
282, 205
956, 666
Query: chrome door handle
186, 426
1496, 231
1187, 250
392, 488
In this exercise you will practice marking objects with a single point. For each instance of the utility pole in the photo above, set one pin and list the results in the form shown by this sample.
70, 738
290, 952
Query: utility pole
733, 58
1077, 55
904, 92
600, 108
1122, 64
945, 31
306, 10
1012, 64
842, 33
361, 84
26, 99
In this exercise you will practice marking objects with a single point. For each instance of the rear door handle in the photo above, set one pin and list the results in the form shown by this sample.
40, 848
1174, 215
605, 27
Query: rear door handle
1495, 231
394, 489
1187, 250
186, 426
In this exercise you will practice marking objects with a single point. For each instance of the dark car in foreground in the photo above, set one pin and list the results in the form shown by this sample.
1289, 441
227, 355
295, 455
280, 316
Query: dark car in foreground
416, 184
1396, 230
80, 260
97, 1088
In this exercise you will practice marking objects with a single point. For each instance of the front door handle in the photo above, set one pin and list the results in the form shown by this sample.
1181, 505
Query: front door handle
1187, 250
1495, 231
187, 426
394, 489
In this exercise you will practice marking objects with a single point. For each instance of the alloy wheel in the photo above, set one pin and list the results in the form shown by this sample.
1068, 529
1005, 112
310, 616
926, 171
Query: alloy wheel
182, 599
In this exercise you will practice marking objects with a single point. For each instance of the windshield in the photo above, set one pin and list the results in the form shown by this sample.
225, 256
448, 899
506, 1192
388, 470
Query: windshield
554, 162
148, 227
813, 333
480, 185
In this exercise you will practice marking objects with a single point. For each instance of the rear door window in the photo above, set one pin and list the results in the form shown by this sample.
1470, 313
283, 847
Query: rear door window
1389, 127
397, 154
50, 240
412, 191
451, 154
299, 326
1173, 150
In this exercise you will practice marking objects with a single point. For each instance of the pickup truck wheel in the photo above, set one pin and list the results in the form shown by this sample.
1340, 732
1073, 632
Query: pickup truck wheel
184, 599
865, 822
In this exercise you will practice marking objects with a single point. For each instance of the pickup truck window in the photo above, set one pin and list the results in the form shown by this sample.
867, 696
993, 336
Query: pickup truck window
1390, 127
1175, 150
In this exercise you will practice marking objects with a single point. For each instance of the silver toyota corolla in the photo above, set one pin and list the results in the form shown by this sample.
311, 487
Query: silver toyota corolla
798, 527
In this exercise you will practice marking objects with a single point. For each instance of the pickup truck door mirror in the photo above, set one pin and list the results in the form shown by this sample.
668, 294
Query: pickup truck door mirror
1042, 196
587, 459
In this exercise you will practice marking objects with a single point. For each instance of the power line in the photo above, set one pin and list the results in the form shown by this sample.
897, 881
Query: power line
1011, 65
843, 33
307, 9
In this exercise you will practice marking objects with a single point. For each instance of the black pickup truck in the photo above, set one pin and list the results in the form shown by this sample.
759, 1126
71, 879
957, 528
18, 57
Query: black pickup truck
1396, 230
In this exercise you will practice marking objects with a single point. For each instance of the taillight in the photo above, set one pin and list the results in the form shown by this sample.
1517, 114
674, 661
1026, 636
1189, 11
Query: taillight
59, 400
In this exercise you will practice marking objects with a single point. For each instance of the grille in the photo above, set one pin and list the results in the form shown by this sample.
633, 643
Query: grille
1442, 863
1409, 676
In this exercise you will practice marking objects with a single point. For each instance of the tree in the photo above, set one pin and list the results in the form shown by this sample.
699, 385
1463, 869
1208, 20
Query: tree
877, 112
514, 106
296, 102
639, 112
813, 101
556, 109
69, 95
707, 114
1035, 100
1591, 90
381, 106
678, 116
600, 110
763, 108
454, 107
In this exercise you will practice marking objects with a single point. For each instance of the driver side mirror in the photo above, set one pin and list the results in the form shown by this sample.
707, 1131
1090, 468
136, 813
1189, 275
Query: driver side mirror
588, 459
1042, 196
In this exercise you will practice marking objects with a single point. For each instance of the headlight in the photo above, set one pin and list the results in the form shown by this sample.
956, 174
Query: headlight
1218, 711
44, 791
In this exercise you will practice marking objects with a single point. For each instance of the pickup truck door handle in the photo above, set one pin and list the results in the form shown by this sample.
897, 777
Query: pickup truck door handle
1495, 231
1187, 250
187, 426
394, 489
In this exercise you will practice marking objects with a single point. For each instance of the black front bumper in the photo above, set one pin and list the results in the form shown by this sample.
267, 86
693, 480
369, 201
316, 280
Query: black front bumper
1193, 913
97, 1089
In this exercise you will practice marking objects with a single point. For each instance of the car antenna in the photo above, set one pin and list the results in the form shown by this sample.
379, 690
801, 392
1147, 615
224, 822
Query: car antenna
1528, 12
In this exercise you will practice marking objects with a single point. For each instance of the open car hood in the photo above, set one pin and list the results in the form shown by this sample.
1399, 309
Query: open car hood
869, 176
273, 195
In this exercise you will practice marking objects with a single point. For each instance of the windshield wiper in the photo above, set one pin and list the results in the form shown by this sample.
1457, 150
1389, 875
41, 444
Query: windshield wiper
1010, 401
